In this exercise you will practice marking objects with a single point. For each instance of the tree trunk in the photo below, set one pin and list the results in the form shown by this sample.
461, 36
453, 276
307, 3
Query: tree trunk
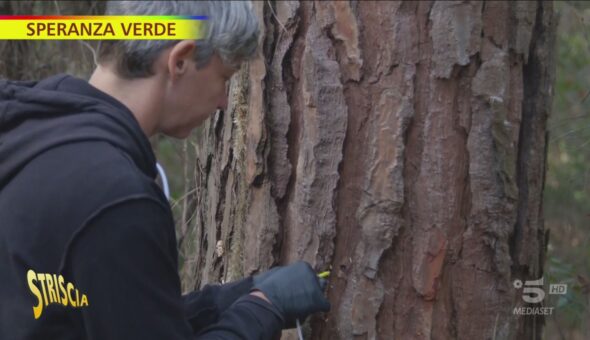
400, 145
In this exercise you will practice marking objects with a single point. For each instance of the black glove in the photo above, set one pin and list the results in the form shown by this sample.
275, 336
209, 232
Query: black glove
202, 307
230, 292
258, 278
294, 290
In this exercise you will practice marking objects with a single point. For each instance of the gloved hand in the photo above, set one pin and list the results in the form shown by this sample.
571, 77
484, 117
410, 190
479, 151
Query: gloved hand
294, 290
258, 278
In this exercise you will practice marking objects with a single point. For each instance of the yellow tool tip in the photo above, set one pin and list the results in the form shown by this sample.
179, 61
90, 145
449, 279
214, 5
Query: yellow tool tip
324, 275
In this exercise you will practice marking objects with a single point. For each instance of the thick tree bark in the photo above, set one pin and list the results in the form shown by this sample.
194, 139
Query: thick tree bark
401, 145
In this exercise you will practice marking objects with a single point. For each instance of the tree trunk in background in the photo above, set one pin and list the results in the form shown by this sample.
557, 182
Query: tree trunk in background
403, 146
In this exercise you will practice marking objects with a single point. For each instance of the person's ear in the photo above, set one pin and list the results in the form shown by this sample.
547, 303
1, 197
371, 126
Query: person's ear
181, 58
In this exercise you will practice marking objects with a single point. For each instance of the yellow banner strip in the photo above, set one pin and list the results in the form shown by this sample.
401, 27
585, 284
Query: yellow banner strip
101, 27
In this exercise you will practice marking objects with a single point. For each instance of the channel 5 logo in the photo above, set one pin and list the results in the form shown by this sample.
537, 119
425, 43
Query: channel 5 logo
533, 290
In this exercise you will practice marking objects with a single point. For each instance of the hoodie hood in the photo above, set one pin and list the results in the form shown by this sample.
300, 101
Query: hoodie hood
37, 116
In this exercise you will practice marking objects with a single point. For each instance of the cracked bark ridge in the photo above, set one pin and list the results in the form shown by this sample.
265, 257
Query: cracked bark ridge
310, 217
401, 145
279, 113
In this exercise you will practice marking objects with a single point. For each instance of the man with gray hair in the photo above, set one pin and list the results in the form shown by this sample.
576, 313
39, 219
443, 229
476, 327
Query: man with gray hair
87, 240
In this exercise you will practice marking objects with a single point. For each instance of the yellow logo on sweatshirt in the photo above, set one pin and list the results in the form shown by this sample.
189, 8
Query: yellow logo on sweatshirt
55, 290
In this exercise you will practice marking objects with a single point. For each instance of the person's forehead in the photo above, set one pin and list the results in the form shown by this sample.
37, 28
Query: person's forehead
225, 69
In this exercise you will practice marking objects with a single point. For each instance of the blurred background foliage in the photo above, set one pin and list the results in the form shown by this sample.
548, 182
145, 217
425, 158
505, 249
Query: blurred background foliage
567, 187
37, 59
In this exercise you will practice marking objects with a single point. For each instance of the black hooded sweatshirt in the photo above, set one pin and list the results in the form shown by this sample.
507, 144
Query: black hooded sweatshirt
87, 241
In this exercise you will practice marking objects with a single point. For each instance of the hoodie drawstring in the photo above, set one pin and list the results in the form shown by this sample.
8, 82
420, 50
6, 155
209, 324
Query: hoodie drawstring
164, 180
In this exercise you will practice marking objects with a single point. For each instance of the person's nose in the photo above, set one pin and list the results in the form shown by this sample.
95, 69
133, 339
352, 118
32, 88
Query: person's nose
222, 105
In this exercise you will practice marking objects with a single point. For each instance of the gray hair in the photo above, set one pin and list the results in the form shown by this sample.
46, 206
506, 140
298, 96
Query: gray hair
231, 31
